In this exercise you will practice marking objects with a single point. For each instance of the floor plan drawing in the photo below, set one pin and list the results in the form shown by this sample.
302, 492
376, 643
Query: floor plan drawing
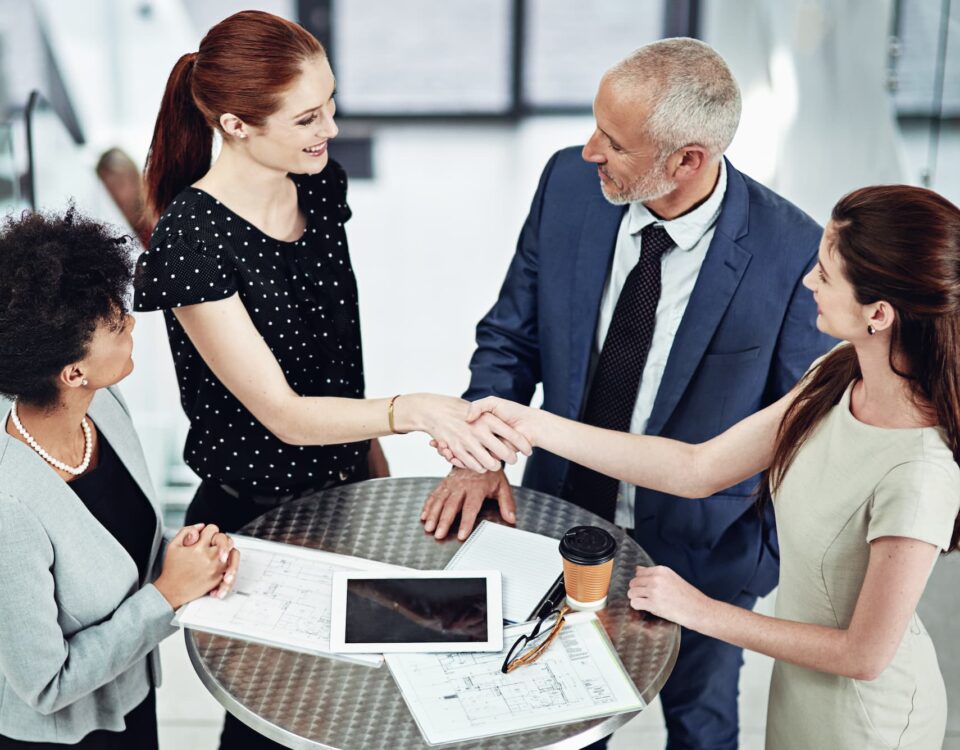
282, 597
556, 681
284, 594
455, 697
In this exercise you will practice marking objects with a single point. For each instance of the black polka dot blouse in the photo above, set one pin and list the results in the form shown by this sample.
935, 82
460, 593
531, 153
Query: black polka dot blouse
302, 298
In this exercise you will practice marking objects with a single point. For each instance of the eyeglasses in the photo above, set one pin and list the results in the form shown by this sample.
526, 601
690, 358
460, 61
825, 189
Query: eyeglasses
530, 646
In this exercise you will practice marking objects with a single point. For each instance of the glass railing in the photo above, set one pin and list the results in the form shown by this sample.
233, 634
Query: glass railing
61, 171
924, 75
14, 170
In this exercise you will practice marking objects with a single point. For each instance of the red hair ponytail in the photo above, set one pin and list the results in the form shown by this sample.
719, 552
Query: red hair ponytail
180, 150
243, 66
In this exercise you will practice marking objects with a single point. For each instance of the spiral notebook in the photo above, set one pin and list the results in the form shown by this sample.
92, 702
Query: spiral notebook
530, 565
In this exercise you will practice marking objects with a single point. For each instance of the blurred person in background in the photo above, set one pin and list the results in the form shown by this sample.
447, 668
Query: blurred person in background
861, 460
249, 263
86, 591
123, 181
655, 289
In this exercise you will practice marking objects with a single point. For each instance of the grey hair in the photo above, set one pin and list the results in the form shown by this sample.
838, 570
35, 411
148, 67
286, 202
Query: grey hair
695, 98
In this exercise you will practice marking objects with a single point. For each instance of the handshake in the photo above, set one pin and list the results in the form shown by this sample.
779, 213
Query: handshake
475, 438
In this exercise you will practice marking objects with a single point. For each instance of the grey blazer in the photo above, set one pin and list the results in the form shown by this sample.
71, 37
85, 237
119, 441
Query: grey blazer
78, 631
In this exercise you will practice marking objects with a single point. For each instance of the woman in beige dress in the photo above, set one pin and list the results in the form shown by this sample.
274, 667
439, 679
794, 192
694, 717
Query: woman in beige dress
861, 461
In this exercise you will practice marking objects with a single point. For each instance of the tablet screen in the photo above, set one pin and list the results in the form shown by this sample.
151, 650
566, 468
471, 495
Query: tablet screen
416, 610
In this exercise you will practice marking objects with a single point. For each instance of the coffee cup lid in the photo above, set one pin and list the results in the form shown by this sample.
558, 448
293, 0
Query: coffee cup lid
587, 545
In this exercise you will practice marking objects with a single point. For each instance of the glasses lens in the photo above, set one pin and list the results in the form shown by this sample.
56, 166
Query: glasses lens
546, 623
544, 627
550, 619
541, 632
527, 644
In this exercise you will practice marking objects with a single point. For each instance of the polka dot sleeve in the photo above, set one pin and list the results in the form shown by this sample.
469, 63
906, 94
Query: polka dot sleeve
301, 296
183, 269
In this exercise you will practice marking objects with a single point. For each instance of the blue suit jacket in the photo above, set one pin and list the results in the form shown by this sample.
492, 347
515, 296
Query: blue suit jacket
748, 334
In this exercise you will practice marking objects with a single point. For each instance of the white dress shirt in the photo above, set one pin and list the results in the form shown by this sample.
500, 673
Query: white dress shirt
680, 267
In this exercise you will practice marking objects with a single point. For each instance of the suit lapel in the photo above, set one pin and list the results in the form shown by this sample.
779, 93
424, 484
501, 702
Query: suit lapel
46, 488
598, 239
719, 278
723, 268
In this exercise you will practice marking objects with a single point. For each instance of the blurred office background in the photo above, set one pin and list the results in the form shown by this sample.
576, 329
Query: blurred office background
448, 111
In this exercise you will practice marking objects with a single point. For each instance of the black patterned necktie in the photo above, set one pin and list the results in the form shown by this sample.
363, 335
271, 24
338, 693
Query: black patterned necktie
616, 380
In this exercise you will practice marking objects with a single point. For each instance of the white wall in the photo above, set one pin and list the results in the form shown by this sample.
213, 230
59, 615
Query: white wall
431, 238
818, 119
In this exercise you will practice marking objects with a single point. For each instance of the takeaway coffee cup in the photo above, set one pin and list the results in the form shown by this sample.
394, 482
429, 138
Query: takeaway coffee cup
587, 553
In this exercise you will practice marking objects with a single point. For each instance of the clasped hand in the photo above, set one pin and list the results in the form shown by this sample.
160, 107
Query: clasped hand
470, 438
657, 589
199, 560
496, 417
463, 491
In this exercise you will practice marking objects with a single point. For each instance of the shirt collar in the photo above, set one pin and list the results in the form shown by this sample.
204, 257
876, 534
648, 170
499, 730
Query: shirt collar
687, 230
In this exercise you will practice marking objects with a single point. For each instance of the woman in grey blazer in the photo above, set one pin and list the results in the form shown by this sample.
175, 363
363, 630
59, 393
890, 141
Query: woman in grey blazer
84, 597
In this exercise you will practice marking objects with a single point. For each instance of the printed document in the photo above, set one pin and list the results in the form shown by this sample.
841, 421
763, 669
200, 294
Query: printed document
459, 697
282, 597
529, 564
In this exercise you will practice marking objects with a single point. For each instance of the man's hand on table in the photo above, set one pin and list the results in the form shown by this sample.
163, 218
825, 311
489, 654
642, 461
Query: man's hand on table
463, 491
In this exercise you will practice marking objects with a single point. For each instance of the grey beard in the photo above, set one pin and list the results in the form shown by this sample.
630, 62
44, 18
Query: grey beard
642, 192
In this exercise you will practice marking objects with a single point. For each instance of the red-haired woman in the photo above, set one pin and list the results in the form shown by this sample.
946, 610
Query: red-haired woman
249, 262
862, 464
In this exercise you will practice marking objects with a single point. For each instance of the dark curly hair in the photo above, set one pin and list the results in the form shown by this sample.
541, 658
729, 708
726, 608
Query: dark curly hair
61, 275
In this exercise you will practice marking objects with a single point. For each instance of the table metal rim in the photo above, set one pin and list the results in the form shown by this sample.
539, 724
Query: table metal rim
277, 733
252, 719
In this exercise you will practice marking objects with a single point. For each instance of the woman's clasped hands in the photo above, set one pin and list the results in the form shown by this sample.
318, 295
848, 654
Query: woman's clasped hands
199, 560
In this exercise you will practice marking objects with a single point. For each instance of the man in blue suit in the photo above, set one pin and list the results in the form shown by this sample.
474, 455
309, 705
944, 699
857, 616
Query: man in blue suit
666, 300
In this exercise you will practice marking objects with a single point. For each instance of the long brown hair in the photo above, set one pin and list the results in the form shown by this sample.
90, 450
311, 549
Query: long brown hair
900, 244
243, 66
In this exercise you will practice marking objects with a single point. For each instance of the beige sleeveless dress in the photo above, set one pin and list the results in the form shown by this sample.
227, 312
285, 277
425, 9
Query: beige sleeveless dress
849, 484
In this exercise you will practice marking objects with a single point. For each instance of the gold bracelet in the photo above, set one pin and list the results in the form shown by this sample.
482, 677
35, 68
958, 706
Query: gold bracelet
393, 428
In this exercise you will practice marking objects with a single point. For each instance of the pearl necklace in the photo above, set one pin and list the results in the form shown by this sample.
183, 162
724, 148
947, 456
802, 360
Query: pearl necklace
87, 445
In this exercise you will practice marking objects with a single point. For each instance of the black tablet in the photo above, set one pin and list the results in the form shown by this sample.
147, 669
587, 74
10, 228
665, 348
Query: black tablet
416, 611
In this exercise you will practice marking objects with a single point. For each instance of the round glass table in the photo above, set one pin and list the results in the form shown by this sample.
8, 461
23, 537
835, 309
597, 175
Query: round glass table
306, 701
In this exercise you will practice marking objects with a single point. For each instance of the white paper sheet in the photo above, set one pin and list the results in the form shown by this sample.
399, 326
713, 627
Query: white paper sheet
282, 597
529, 564
459, 697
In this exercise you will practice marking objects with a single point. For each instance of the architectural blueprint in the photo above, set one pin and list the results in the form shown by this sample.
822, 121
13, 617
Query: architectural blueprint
458, 697
282, 597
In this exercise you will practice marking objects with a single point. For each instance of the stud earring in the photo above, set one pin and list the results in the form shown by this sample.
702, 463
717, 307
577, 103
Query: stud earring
242, 136
84, 382
871, 330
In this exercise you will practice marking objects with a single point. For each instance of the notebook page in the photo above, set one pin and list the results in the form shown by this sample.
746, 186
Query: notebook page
529, 564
